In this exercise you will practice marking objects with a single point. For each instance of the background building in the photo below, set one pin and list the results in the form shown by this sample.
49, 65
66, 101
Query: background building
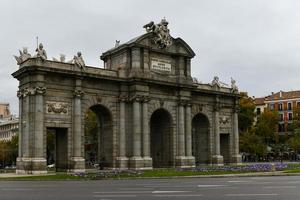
283, 102
4, 111
9, 124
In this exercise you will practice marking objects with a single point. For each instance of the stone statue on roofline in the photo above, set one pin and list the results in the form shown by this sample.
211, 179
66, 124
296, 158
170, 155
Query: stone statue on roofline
162, 34
234, 87
78, 61
62, 58
216, 82
24, 55
41, 52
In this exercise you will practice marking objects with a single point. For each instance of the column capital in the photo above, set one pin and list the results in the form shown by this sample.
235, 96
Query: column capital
31, 91
146, 99
217, 107
136, 98
181, 102
78, 93
236, 109
38, 90
123, 98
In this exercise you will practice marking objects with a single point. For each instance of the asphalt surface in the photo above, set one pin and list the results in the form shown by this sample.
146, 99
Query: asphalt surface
242, 188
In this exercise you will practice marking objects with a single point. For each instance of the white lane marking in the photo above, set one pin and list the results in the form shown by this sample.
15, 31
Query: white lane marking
123, 192
293, 182
112, 196
238, 181
15, 189
178, 195
159, 192
279, 187
207, 186
246, 195
134, 189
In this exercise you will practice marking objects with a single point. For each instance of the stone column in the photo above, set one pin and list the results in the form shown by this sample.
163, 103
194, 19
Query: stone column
39, 160
136, 160
236, 157
122, 160
180, 158
188, 136
146, 135
77, 160
217, 158
24, 164
20, 168
20, 96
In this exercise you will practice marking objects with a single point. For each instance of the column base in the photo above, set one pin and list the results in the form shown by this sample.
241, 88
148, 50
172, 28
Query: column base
236, 159
217, 160
31, 166
147, 162
77, 164
122, 162
185, 161
136, 162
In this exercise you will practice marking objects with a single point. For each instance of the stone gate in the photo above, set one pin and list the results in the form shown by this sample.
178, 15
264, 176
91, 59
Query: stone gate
150, 111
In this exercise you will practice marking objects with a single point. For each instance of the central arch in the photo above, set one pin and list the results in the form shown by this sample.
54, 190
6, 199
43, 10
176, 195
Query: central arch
200, 139
98, 137
161, 138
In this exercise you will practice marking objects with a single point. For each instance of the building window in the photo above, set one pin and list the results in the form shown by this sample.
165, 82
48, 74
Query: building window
280, 117
271, 106
298, 104
258, 111
280, 106
280, 127
289, 106
290, 116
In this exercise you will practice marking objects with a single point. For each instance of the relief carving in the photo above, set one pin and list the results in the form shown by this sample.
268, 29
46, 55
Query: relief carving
57, 108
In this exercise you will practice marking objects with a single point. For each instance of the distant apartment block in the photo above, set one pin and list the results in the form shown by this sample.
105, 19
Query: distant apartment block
9, 125
4, 111
283, 102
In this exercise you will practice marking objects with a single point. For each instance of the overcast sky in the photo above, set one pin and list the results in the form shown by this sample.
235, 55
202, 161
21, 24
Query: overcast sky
257, 42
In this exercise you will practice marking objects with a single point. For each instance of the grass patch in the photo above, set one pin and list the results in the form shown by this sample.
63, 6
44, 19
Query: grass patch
51, 177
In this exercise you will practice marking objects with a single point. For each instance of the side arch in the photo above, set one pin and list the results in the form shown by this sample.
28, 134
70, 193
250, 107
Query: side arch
201, 139
161, 138
106, 112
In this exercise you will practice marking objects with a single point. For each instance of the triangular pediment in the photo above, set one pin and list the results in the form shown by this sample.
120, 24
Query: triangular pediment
178, 46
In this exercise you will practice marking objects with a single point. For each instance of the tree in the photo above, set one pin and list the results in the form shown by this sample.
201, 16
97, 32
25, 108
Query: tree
91, 137
252, 144
246, 115
9, 151
294, 141
266, 126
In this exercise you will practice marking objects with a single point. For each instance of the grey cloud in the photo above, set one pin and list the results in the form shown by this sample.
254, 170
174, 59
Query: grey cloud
255, 41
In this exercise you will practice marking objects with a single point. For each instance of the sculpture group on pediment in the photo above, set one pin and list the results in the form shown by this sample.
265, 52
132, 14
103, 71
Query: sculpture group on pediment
162, 34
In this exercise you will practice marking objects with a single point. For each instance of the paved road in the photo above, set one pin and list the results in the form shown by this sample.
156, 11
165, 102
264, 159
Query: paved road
246, 188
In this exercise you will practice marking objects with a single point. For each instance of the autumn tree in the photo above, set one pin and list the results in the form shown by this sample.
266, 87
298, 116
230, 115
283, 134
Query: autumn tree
246, 115
252, 144
266, 126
